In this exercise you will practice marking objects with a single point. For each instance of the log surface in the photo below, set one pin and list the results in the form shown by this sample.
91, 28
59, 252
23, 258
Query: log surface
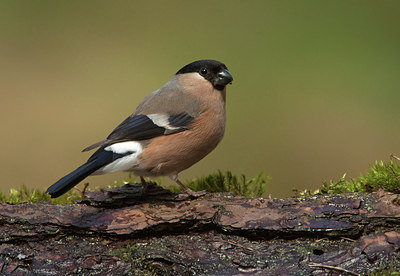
217, 234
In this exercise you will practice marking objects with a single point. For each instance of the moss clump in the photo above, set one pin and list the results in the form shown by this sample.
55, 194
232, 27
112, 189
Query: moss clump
382, 176
23, 194
227, 182
216, 182
219, 182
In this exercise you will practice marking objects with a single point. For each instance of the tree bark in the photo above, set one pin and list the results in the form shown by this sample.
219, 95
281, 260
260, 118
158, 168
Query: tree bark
119, 231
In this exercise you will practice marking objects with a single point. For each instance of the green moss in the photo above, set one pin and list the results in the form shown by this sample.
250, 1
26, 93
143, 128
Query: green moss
227, 182
24, 194
382, 176
216, 182
342, 186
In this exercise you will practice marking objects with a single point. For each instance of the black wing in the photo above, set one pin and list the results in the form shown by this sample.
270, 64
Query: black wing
138, 127
180, 120
143, 127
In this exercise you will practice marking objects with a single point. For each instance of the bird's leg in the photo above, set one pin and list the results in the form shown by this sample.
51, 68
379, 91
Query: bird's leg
188, 191
144, 184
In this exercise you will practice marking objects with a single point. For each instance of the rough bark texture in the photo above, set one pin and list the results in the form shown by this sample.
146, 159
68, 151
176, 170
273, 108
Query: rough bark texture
217, 234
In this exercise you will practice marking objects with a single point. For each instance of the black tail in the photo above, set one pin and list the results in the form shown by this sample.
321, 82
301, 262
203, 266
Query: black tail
99, 159
70, 180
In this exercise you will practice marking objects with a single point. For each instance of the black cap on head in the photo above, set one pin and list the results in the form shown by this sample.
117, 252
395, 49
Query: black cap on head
212, 70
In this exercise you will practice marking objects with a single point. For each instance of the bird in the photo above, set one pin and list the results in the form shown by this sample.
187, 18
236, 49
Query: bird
172, 128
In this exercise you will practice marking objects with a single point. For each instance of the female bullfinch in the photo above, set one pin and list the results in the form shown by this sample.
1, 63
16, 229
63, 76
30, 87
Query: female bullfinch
172, 128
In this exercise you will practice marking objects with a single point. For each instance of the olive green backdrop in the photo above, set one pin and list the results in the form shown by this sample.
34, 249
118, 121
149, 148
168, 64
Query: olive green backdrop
316, 90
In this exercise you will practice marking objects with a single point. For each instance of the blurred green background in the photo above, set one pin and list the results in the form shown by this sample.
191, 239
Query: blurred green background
316, 89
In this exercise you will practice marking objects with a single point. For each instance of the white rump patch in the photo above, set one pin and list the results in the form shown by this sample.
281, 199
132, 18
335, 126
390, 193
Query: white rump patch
125, 147
125, 163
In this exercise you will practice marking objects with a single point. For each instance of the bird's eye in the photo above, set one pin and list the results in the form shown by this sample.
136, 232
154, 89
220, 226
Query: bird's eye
203, 71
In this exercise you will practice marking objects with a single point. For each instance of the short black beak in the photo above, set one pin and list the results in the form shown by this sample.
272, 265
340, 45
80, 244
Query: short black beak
223, 78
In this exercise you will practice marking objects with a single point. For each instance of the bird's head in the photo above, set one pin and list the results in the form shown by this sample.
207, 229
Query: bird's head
213, 71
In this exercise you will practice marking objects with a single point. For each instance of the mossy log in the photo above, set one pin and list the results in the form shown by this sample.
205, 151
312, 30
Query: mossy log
121, 232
